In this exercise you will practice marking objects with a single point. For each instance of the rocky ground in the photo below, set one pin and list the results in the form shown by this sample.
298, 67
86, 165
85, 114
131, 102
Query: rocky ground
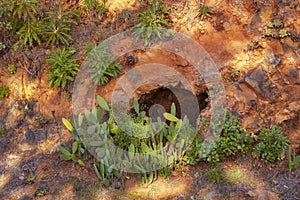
261, 78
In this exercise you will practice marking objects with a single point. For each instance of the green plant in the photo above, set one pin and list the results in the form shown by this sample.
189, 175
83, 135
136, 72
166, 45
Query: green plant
192, 155
151, 23
215, 175
269, 33
2, 46
41, 119
277, 23
204, 11
293, 162
234, 74
41, 191
283, 33
275, 29
30, 178
66, 154
58, 25
165, 171
24, 9
138, 148
89, 5
104, 173
102, 8
63, 68
21, 16
2, 131
233, 139
4, 91
102, 65
30, 33
12, 69
271, 145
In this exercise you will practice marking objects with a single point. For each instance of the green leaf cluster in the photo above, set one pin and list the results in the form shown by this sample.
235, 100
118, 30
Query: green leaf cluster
275, 29
151, 24
102, 65
233, 139
67, 154
58, 25
63, 68
271, 145
204, 12
94, 5
32, 27
4, 91
293, 162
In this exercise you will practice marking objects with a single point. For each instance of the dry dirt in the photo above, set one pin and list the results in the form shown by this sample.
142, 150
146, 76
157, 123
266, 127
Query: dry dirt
260, 75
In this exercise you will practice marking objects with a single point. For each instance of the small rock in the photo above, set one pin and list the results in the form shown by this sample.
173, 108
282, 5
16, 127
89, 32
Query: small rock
275, 182
259, 81
293, 76
180, 198
48, 52
196, 175
21, 177
251, 193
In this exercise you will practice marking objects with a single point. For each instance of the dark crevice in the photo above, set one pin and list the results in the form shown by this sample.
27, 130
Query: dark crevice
158, 101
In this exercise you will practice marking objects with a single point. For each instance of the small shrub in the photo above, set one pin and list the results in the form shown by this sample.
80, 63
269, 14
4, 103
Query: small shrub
192, 155
204, 12
4, 91
294, 160
41, 191
30, 178
151, 22
271, 145
22, 17
2, 46
66, 154
2, 130
63, 68
102, 65
24, 9
12, 69
234, 139
30, 33
95, 5
58, 25
275, 29
215, 175
162, 135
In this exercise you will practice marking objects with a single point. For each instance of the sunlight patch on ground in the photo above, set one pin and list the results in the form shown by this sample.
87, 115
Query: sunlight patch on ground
119, 5
236, 174
160, 189
12, 160
4, 178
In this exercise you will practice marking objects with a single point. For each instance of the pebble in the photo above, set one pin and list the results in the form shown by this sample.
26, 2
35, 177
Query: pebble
196, 175
251, 193
275, 182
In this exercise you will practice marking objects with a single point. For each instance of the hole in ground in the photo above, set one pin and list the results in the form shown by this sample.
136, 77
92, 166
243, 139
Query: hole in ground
160, 100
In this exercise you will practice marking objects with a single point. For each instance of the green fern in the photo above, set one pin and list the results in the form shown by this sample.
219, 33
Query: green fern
63, 68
